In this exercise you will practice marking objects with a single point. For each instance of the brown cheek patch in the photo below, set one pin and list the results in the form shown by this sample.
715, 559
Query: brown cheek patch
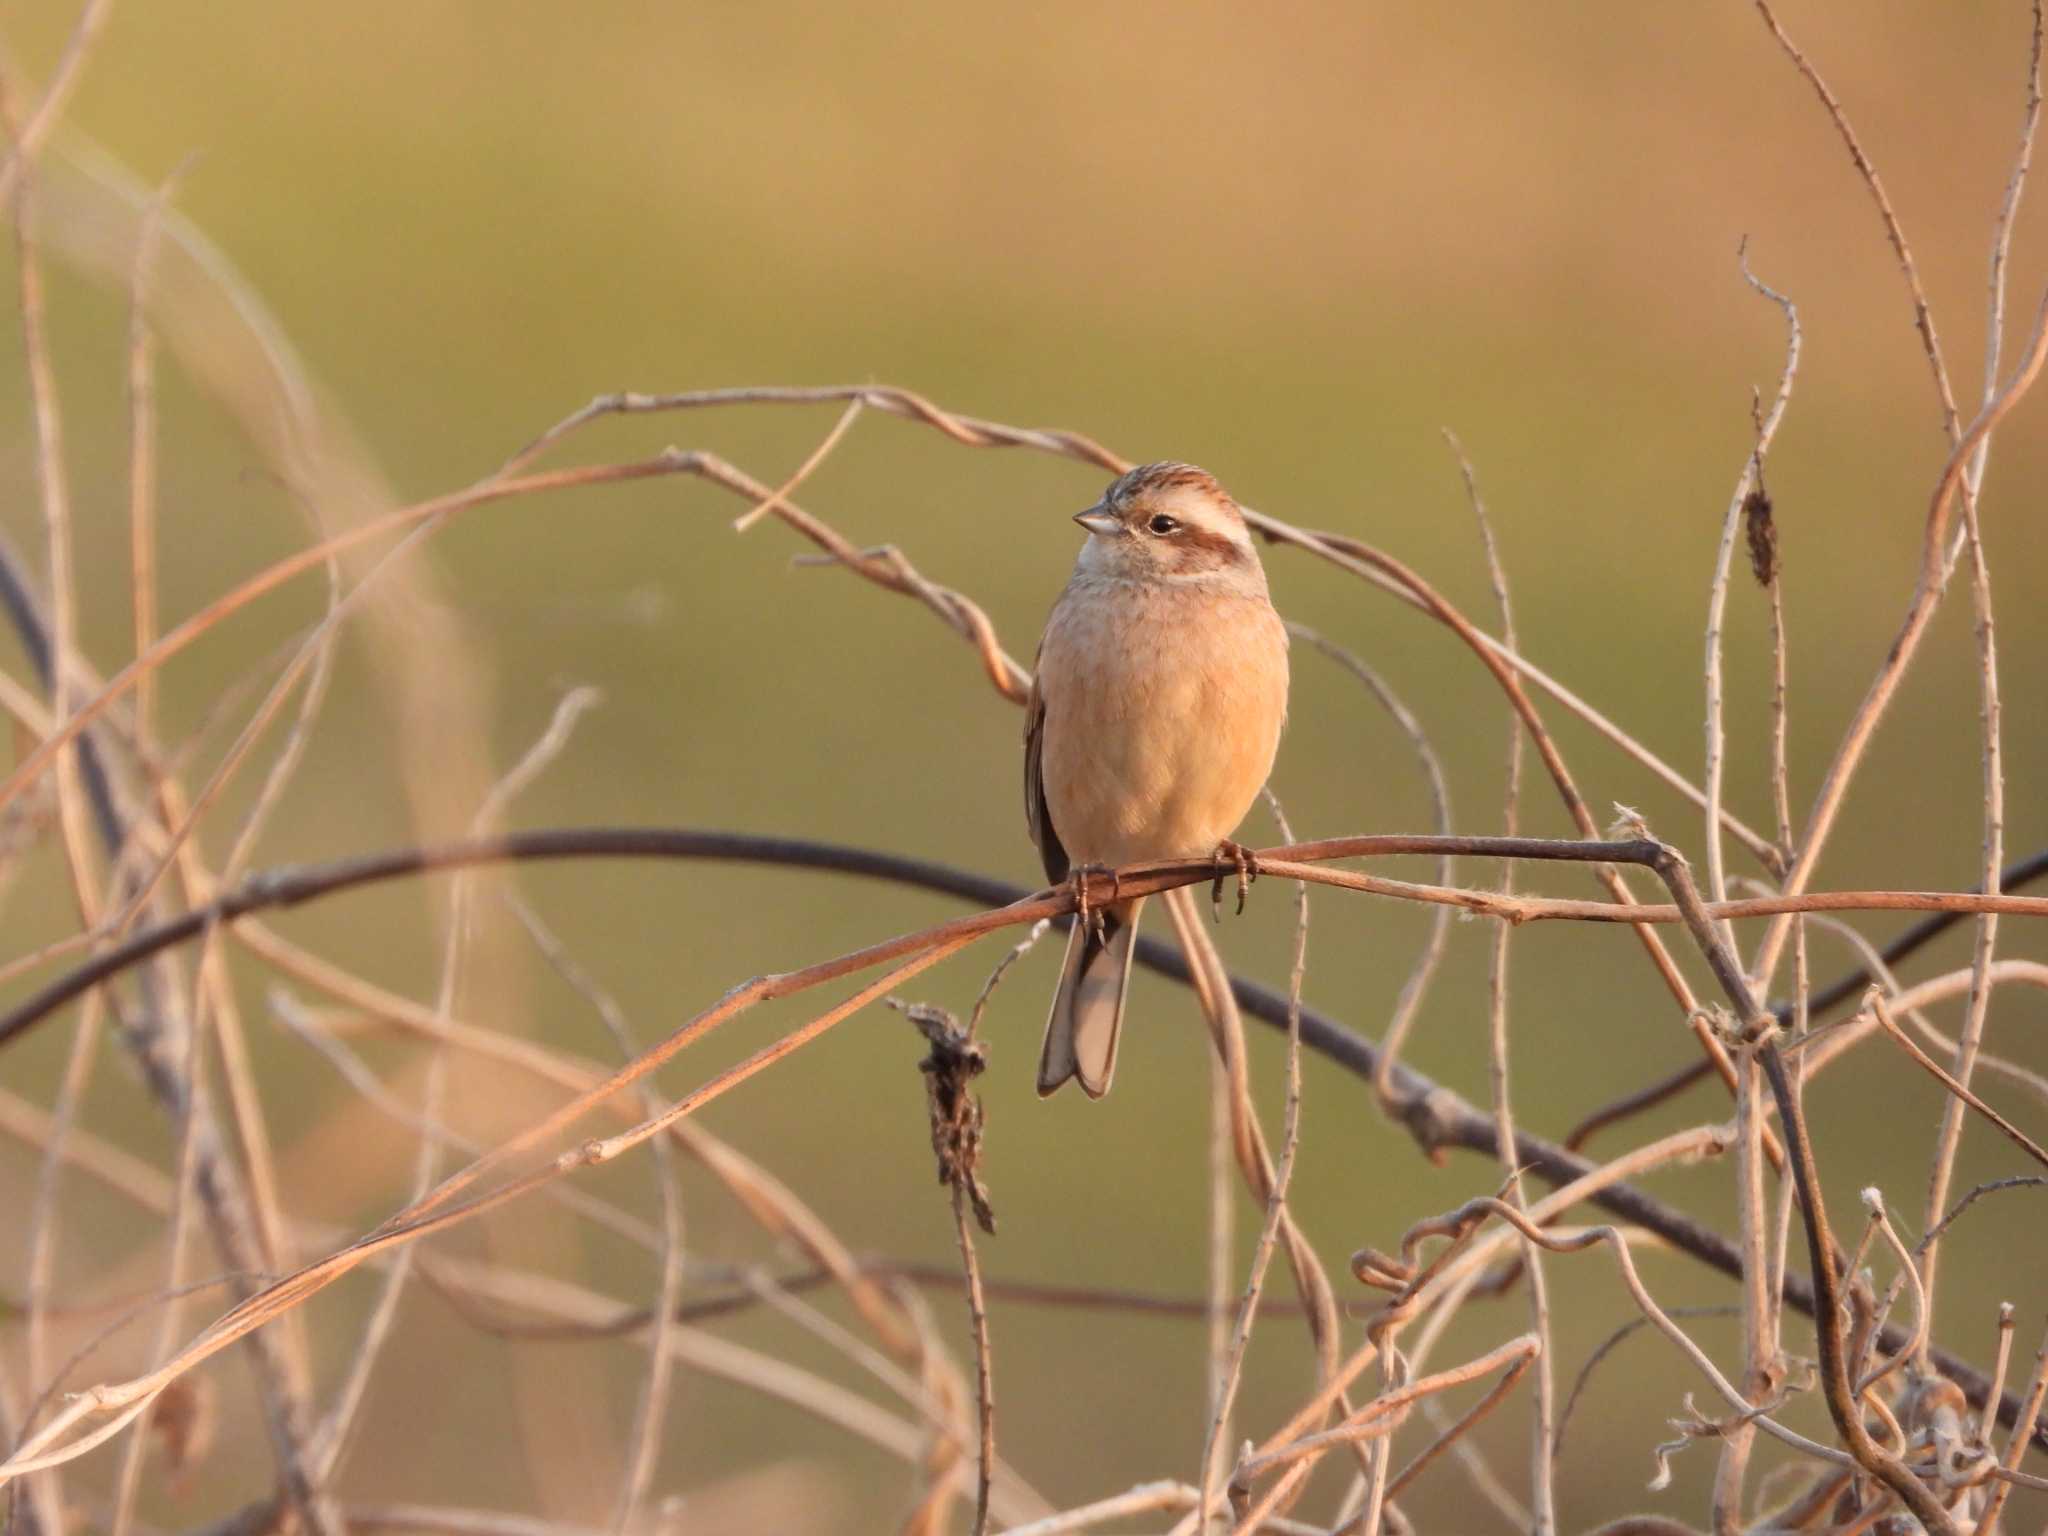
1200, 547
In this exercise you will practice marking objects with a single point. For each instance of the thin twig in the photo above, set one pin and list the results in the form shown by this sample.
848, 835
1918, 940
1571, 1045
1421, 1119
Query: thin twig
1221, 1168
1961, 1094
2014, 877
1747, 485
1543, 1496
217, 993
53, 489
2018, 1181
1451, 1436
29, 135
2022, 1435
1379, 1417
1801, 1023
1276, 1199
1606, 1347
1948, 1138
1436, 1322
1923, 317
571, 1311
1982, 1438
985, 1405
142, 454
1920, 609
1590, 1184
1880, 1219
1409, 1280
1758, 1027
955, 1059
314, 653
1437, 1118
979, 433
304, 1025
1409, 1003
1532, 1152
127, 1400
1144, 1499
1750, 506
183, 635
1761, 1365
650, 1412
235, 1232
336, 1432
293, 885
171, 1322
778, 501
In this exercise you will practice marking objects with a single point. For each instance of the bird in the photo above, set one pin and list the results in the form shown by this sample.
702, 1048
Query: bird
1155, 713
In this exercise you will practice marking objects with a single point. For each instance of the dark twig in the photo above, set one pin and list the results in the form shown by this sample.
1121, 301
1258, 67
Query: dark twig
2018, 1181
740, 1297
2014, 877
1435, 1116
293, 885
1606, 1347
223, 1192
1758, 1026
1940, 1074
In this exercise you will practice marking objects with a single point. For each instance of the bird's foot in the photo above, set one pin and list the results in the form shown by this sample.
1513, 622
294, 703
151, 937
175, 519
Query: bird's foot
1232, 856
1086, 912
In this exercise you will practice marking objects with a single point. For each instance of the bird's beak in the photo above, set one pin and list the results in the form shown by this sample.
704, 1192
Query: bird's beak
1097, 520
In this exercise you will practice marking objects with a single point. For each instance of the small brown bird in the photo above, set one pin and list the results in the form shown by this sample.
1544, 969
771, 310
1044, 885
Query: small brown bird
1153, 721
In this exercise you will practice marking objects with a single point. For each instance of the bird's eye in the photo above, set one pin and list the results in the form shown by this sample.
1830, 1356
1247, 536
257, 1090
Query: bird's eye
1162, 524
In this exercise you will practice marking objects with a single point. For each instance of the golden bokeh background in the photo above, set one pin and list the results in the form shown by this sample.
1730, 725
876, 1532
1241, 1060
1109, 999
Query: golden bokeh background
1291, 243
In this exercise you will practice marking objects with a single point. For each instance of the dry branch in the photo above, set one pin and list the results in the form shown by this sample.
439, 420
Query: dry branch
1922, 1452
1436, 1117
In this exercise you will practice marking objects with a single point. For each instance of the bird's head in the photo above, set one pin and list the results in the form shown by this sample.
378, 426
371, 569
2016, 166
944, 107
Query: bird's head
1172, 523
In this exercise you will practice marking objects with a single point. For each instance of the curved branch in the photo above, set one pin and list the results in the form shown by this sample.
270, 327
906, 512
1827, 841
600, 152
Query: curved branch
1435, 1116
290, 885
2013, 878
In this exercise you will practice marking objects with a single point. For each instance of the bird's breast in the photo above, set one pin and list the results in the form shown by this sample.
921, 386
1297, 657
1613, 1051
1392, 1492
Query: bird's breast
1163, 711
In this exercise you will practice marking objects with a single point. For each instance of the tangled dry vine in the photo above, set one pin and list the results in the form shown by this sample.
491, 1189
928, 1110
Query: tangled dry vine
1913, 1428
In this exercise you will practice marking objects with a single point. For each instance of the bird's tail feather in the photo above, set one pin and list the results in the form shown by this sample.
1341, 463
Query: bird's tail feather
1088, 1009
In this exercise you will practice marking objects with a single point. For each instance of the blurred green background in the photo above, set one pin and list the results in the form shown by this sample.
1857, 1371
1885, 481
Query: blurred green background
1291, 245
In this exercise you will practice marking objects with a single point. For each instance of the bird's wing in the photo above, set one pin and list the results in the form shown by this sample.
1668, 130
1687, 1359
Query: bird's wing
1036, 814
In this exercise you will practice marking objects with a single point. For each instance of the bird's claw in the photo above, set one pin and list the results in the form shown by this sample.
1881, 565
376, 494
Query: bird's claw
1231, 856
1086, 912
